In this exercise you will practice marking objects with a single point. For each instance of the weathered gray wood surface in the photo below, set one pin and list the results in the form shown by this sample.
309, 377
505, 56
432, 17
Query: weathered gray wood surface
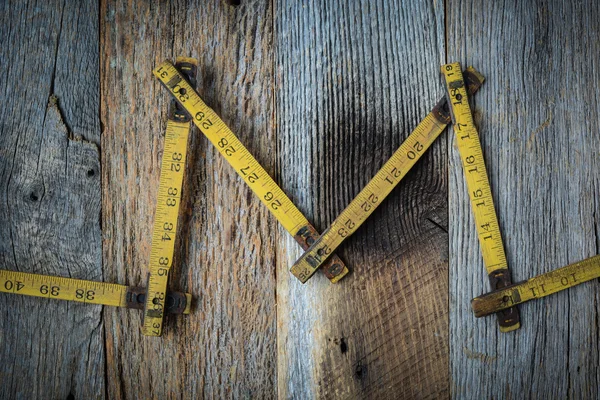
50, 187
227, 347
539, 125
353, 79
322, 94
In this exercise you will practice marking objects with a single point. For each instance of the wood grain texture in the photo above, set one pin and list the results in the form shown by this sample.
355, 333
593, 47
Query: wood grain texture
226, 252
50, 187
538, 117
322, 94
353, 79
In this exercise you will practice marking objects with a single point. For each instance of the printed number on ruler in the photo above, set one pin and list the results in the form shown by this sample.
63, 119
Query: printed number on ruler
84, 291
55, 287
167, 207
229, 146
378, 188
480, 193
165, 224
537, 287
475, 172
245, 164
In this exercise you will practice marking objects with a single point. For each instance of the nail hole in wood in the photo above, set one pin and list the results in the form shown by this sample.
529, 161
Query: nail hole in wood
360, 371
91, 173
343, 345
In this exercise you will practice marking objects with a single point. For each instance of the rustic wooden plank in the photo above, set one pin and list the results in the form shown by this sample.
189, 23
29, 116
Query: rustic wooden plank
353, 79
227, 346
50, 208
538, 125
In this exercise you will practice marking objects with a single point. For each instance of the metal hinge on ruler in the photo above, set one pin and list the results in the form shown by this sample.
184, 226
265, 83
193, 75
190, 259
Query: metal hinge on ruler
479, 189
382, 184
537, 287
247, 167
168, 203
176, 302
84, 291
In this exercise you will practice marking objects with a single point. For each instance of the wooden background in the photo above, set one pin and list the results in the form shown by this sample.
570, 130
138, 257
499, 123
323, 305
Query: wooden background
321, 93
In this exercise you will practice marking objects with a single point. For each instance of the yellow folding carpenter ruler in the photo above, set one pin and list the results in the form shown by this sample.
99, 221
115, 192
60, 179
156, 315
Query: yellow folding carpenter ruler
479, 189
89, 292
155, 300
537, 287
381, 185
245, 164
164, 231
